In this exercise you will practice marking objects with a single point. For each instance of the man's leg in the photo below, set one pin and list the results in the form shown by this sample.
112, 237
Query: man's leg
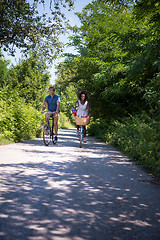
56, 124
47, 117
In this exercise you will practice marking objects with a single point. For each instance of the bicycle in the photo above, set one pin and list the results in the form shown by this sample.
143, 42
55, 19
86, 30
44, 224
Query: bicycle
81, 121
48, 130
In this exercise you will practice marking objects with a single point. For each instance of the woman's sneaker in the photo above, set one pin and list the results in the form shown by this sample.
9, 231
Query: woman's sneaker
84, 140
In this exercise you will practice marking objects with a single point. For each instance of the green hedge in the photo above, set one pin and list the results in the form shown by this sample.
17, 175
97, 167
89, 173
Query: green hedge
18, 120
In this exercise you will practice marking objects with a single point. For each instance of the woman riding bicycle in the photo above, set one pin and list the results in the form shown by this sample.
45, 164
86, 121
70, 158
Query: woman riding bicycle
82, 108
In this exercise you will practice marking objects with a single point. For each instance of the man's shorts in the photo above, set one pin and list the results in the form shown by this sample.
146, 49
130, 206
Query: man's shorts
56, 115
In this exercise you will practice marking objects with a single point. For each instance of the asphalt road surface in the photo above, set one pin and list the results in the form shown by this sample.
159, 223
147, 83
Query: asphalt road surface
64, 192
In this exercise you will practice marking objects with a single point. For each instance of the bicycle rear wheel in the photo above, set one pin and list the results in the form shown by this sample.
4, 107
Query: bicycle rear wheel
46, 134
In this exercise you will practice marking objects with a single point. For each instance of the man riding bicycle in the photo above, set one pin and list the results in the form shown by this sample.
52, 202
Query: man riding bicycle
53, 102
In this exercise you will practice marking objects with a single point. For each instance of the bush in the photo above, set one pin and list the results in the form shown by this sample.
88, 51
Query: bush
64, 121
18, 120
98, 128
138, 137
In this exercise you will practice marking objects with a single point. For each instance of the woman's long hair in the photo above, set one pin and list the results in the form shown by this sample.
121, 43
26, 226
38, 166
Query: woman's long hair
83, 92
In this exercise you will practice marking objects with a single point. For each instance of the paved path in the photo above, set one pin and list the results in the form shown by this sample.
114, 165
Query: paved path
64, 192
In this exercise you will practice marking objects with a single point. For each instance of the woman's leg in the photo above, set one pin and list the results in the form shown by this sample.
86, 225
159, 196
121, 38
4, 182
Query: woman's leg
84, 131
77, 129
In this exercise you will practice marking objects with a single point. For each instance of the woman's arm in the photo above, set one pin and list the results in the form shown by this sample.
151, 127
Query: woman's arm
88, 107
77, 105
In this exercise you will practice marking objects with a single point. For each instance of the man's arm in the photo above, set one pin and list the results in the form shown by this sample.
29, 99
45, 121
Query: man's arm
58, 104
44, 107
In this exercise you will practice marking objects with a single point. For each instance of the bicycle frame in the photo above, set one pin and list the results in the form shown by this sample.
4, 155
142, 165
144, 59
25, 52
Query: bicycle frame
81, 122
81, 135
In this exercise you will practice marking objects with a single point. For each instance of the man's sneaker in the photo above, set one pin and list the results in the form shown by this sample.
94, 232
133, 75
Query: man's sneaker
84, 140
55, 139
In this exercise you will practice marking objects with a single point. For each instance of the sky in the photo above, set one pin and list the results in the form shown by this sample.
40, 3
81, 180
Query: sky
73, 20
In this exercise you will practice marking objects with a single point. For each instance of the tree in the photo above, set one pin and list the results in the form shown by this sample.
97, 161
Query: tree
22, 26
30, 80
117, 60
148, 9
101, 62
3, 71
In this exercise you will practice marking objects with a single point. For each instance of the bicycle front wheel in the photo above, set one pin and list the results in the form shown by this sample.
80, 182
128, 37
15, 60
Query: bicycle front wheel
46, 134
80, 137
53, 140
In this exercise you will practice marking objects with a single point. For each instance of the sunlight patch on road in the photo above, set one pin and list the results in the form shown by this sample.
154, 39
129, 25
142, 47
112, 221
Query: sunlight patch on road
63, 185
140, 223
61, 230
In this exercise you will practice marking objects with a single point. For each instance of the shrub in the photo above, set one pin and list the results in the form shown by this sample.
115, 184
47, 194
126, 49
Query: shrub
64, 121
18, 120
138, 137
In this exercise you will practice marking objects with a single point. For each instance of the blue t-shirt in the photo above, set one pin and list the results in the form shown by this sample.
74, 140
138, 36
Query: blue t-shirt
52, 102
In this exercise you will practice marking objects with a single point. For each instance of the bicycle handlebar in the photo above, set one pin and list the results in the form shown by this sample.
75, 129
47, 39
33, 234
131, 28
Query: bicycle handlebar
48, 112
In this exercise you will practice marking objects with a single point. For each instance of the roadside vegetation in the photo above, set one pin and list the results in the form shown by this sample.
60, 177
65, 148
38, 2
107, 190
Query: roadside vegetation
118, 63
23, 87
137, 136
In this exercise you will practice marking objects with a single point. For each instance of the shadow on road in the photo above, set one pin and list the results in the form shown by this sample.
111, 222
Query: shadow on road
63, 192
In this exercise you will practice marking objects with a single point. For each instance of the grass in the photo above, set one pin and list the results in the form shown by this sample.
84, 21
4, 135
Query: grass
4, 141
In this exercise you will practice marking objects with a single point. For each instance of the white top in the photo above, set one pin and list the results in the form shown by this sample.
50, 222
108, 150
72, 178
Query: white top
82, 109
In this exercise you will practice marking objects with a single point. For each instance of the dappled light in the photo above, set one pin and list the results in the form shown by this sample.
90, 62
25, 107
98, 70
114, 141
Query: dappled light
64, 192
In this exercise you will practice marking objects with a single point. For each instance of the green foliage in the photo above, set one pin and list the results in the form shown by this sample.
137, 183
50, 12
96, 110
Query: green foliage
118, 63
3, 72
137, 136
117, 60
152, 96
64, 121
101, 65
18, 120
31, 80
68, 101
23, 89
24, 26
148, 9
4, 140
98, 128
